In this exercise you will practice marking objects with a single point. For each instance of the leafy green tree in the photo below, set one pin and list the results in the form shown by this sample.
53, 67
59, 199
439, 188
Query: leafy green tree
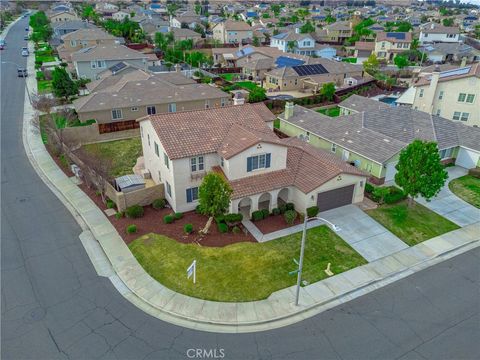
265, 15
307, 28
447, 22
63, 86
257, 94
276, 8
401, 61
256, 41
213, 197
329, 19
371, 65
420, 171
328, 90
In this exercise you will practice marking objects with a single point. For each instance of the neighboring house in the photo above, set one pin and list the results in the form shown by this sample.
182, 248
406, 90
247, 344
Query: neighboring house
433, 32
62, 16
256, 69
83, 38
363, 49
185, 34
106, 9
238, 143
187, 18
312, 76
302, 44
453, 94
152, 26
232, 32
370, 135
91, 61
235, 57
67, 27
389, 44
116, 101
451, 52
120, 15
336, 32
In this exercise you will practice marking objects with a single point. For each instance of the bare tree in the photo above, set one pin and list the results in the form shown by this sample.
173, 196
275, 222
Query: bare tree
44, 104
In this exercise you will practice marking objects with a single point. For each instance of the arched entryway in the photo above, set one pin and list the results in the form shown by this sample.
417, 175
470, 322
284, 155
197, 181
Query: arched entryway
283, 196
244, 207
264, 201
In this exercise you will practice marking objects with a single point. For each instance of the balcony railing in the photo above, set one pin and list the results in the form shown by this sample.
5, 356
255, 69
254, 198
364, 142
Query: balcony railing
197, 175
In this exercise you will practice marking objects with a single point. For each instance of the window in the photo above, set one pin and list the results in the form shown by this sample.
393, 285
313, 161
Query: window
440, 95
148, 139
421, 93
166, 161
223, 102
169, 189
456, 115
157, 151
207, 104
134, 108
196, 164
159, 176
446, 153
450, 36
462, 97
151, 110
172, 107
222, 162
438, 112
258, 162
470, 98
117, 114
101, 64
333, 148
93, 64
464, 116
192, 194
73, 43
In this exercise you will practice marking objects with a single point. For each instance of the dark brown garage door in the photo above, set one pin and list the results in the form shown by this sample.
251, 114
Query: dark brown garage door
335, 198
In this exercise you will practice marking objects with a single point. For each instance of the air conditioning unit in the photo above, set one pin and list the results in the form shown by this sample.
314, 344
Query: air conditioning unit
76, 170
146, 174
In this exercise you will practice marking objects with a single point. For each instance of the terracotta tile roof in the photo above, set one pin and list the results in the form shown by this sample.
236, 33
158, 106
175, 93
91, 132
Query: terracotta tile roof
227, 130
365, 45
307, 169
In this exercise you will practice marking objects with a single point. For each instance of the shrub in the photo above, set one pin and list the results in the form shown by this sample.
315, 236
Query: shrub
118, 215
198, 209
168, 219
290, 206
266, 213
257, 215
110, 204
159, 203
394, 196
282, 209
131, 229
379, 193
233, 218
222, 227
219, 219
369, 188
135, 211
236, 230
188, 228
276, 211
312, 211
178, 215
290, 216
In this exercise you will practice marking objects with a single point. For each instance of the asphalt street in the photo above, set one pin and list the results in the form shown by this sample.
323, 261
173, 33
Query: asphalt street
54, 306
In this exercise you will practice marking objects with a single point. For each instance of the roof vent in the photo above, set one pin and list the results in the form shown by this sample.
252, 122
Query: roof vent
386, 140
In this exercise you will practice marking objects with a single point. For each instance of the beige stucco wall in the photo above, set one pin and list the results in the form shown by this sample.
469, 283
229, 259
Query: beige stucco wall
105, 116
80, 135
141, 197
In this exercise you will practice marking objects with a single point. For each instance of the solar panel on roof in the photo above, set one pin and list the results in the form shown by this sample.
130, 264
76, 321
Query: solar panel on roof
243, 52
117, 67
280, 36
315, 69
396, 35
283, 61
454, 72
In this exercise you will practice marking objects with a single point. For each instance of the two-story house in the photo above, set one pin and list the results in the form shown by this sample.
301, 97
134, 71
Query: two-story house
433, 32
90, 62
128, 93
389, 44
238, 143
336, 32
232, 32
453, 94
301, 44
62, 16
186, 18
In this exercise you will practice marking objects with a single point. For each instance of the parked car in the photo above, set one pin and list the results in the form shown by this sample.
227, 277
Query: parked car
2, 44
26, 37
337, 58
25, 51
27, 28
22, 72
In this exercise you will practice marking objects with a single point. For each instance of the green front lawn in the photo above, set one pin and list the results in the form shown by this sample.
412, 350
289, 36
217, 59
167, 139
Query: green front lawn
248, 85
467, 188
350, 60
45, 58
332, 112
124, 154
229, 76
44, 86
243, 271
411, 224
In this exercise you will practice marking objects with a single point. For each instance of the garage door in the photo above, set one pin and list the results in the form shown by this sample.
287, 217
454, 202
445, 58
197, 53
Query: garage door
467, 158
334, 198
391, 171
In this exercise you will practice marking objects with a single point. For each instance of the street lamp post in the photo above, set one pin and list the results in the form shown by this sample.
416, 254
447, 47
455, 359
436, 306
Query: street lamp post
20, 67
302, 250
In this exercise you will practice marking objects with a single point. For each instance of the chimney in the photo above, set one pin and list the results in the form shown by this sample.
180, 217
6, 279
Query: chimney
432, 25
288, 110
238, 99
464, 61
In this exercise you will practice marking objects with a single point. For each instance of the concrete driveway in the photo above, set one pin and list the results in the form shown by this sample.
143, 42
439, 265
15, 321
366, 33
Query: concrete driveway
364, 234
451, 206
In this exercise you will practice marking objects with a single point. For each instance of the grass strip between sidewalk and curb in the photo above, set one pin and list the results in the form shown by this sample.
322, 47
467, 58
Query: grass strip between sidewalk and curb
243, 271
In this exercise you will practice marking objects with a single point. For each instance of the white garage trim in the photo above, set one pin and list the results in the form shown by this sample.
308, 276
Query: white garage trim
467, 158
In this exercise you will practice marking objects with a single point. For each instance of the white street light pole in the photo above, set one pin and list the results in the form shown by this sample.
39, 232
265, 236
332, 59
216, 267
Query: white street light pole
302, 250
24, 77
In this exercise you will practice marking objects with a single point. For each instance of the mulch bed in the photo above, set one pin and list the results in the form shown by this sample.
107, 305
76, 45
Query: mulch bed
274, 223
152, 222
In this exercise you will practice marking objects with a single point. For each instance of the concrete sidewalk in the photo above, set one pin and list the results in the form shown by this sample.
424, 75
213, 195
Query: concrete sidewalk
276, 311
